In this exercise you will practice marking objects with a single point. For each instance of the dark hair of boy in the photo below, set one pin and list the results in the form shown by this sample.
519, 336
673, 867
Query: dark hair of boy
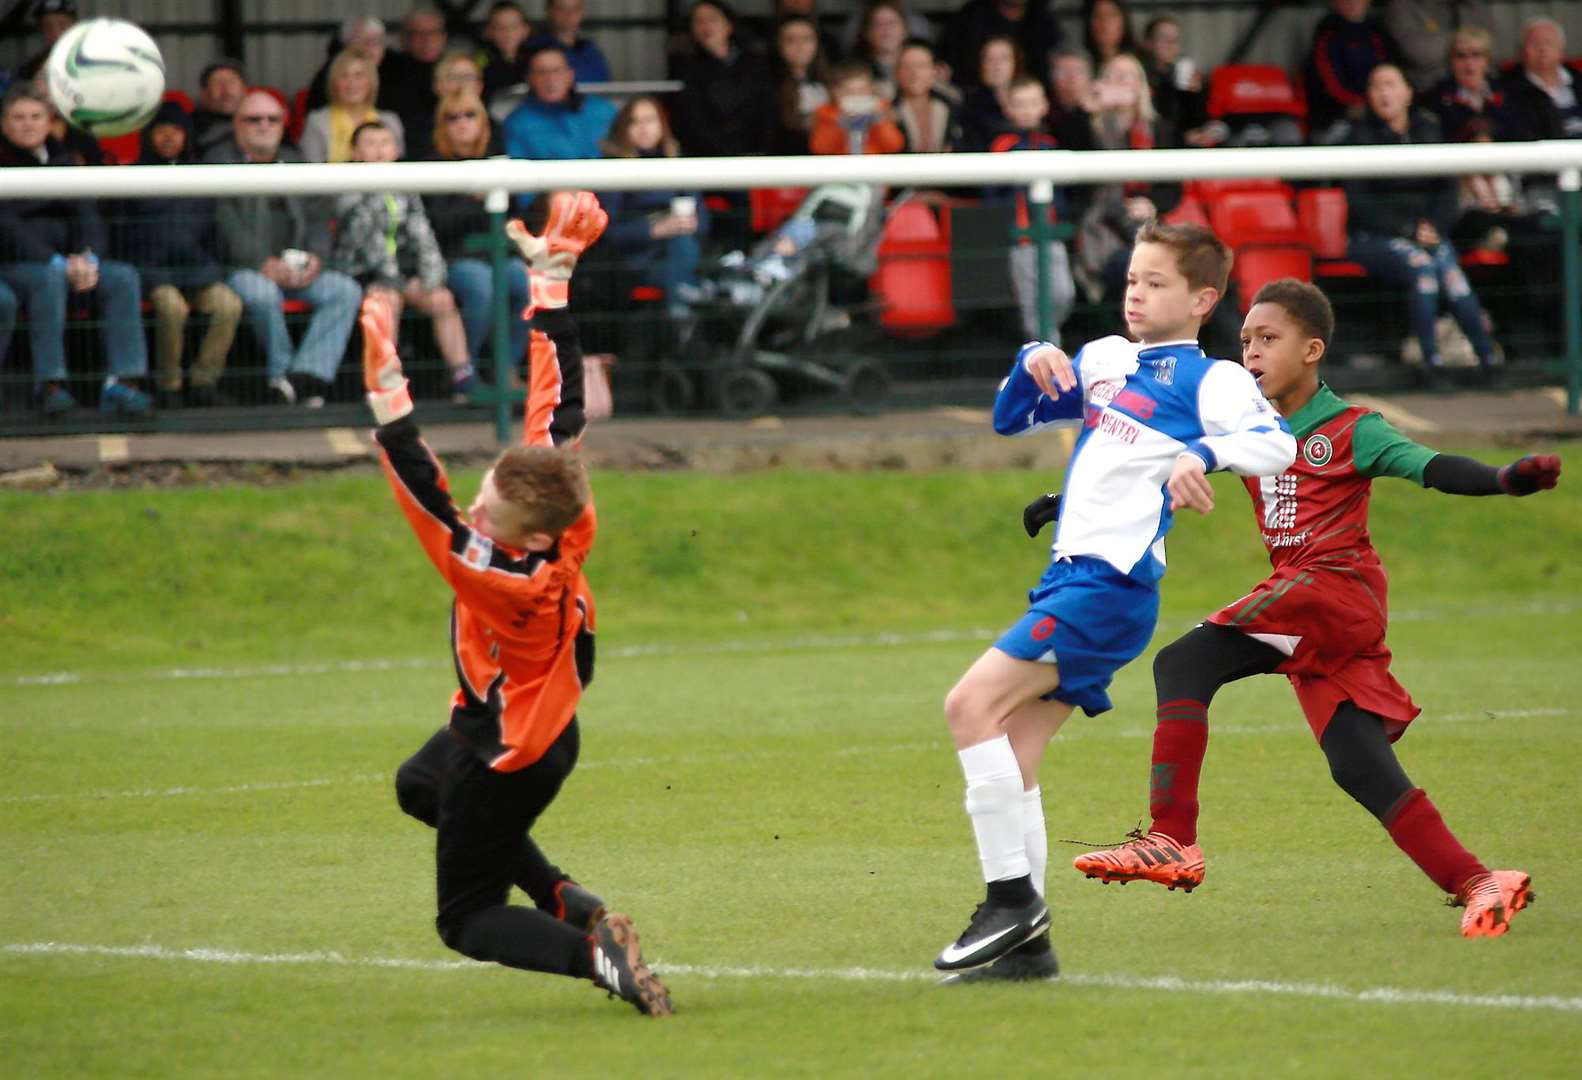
1202, 257
367, 125
1022, 82
1305, 302
850, 68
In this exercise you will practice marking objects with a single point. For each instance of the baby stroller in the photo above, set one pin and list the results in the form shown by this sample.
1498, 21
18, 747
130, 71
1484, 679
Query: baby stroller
763, 325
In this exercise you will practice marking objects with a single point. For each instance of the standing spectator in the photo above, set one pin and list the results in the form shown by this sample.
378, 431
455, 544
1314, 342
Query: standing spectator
556, 121
562, 26
456, 73
801, 83
502, 56
1107, 31
1400, 226
49, 248
53, 18
925, 114
857, 120
1422, 30
462, 132
999, 63
879, 43
1026, 108
220, 91
1175, 82
407, 74
384, 242
176, 247
275, 245
726, 106
656, 234
1026, 22
366, 34
1347, 46
1544, 103
1075, 98
1466, 94
354, 86
1125, 120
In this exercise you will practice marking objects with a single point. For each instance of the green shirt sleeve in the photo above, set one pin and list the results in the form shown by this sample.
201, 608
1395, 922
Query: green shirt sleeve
1379, 450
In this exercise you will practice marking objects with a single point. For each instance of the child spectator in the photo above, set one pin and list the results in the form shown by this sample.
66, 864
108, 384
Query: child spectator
353, 88
801, 77
1347, 46
562, 27
384, 242
926, 115
857, 120
175, 245
220, 90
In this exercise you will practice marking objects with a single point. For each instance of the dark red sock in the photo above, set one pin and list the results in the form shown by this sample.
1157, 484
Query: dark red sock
1180, 741
1417, 829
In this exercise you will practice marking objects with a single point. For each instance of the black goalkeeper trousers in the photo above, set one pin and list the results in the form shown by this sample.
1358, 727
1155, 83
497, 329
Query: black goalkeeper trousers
482, 818
1361, 760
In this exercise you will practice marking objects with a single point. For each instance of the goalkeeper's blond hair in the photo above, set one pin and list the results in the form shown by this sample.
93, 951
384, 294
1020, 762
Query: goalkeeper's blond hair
546, 485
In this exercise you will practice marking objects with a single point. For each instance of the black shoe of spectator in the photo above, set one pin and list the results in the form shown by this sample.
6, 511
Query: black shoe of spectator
204, 397
168, 399
312, 391
55, 401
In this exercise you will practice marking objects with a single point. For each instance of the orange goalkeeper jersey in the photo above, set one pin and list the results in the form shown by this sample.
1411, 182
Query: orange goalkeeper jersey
522, 622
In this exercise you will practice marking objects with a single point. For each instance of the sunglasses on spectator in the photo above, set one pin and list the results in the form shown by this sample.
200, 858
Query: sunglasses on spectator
452, 117
261, 119
1469, 54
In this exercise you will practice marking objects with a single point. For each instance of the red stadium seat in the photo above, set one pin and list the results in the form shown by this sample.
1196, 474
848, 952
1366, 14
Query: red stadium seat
1209, 191
1322, 212
771, 206
1249, 89
180, 98
122, 149
1189, 211
913, 278
1257, 266
298, 115
1256, 218
646, 294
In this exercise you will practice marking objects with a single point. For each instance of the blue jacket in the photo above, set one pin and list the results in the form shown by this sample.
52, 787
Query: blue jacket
569, 131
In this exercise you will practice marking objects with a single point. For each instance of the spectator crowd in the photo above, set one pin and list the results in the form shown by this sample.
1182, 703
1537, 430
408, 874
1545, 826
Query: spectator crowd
994, 75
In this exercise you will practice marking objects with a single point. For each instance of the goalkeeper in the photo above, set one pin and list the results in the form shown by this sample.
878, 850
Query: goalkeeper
1319, 619
522, 636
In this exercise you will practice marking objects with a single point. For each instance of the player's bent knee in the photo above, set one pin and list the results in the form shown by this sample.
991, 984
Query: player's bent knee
416, 796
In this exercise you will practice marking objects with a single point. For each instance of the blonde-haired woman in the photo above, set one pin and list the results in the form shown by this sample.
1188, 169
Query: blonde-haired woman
353, 88
457, 72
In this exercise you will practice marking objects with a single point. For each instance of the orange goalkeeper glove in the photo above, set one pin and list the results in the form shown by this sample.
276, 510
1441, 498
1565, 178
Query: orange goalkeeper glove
574, 222
388, 394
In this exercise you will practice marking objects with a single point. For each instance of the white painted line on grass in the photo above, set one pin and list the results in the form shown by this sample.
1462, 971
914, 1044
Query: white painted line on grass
1377, 995
169, 792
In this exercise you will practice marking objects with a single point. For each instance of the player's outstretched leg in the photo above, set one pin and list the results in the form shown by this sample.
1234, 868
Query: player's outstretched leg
575, 905
1146, 857
619, 968
1491, 901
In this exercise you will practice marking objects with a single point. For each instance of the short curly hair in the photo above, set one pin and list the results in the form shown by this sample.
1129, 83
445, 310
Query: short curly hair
546, 485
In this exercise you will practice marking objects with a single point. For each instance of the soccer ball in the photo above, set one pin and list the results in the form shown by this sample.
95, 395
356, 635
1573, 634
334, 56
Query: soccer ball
106, 76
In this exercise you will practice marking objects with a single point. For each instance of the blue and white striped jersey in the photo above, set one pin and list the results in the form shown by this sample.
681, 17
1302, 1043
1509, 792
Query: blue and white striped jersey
1141, 407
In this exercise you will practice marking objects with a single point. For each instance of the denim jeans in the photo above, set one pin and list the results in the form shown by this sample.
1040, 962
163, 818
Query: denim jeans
1024, 282
471, 281
668, 263
7, 320
335, 299
42, 289
1392, 258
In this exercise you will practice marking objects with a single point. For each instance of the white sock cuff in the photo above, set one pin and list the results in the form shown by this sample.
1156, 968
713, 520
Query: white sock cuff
988, 761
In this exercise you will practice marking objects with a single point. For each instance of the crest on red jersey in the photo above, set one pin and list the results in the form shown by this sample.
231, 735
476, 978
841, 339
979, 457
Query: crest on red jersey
1317, 450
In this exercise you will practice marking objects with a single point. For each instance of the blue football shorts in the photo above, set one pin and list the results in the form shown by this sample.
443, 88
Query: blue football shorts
1089, 619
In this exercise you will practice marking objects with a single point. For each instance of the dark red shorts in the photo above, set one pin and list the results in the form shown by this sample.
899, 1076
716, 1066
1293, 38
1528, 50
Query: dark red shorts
1331, 628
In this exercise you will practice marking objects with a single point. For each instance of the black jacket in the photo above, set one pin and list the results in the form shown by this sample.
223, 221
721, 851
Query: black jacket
38, 229
171, 241
726, 107
1393, 205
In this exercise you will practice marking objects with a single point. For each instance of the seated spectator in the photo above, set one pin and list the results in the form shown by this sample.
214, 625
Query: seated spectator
408, 72
556, 121
175, 245
274, 246
1107, 32
1399, 226
917, 25
1422, 30
1125, 120
220, 90
1466, 94
562, 27
726, 106
857, 120
354, 86
1176, 84
1543, 93
766, 28
657, 234
1026, 22
801, 78
983, 101
80, 147
456, 73
383, 241
1026, 109
879, 43
1075, 98
366, 34
49, 248
502, 56
1347, 46
462, 132
53, 18
925, 114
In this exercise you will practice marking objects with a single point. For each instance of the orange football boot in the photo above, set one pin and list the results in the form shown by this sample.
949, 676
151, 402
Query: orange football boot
1152, 857
1491, 901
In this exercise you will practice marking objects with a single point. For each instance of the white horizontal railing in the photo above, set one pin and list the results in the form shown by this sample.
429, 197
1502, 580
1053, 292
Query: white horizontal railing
1563, 157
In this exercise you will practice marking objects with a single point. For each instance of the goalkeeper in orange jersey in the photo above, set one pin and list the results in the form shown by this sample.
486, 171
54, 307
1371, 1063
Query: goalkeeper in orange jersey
521, 634
1320, 620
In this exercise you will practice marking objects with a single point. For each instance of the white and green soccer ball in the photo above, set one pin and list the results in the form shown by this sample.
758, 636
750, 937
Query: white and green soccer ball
106, 76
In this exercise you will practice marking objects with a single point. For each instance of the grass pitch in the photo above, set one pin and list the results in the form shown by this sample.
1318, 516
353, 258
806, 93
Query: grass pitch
204, 694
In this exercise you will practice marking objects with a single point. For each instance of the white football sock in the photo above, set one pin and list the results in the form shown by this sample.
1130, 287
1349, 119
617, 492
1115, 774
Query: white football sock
994, 804
1034, 838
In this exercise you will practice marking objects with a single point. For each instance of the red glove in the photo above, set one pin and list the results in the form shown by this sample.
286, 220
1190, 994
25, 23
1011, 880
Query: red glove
575, 221
388, 395
1535, 472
